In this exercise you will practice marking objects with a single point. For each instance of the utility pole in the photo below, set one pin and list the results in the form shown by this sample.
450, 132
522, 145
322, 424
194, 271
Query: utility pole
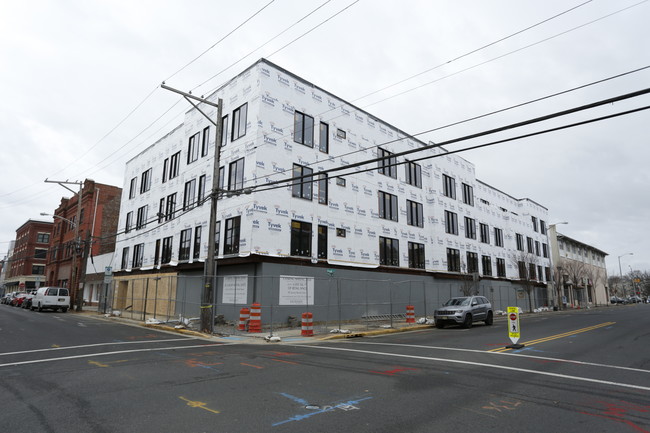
74, 280
208, 309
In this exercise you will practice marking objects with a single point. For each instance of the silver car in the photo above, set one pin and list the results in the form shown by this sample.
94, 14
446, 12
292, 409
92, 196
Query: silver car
464, 311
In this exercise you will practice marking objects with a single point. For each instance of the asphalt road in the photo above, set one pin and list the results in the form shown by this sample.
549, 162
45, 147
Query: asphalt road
586, 370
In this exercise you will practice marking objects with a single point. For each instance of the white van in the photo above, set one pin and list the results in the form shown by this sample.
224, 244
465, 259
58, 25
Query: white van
55, 298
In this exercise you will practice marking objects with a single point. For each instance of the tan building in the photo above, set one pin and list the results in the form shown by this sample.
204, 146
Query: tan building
579, 272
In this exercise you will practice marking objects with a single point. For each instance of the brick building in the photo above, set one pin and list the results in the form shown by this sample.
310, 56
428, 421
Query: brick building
100, 207
26, 266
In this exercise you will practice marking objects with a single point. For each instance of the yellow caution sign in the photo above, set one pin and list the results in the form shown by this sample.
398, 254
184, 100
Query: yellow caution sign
514, 331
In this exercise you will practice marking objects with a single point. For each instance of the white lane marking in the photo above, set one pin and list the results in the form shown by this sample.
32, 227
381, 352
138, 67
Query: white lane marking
482, 364
117, 352
94, 345
543, 358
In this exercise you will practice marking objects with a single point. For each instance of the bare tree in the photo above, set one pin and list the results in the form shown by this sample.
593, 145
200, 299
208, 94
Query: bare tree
527, 263
468, 281
614, 283
575, 272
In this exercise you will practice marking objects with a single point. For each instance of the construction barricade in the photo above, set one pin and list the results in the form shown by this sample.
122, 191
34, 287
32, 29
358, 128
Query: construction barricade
307, 325
255, 321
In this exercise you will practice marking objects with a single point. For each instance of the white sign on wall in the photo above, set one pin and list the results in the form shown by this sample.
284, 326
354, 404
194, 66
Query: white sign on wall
235, 289
296, 290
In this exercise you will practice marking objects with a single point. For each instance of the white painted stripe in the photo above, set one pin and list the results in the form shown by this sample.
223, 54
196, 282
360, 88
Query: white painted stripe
481, 364
94, 345
567, 361
118, 352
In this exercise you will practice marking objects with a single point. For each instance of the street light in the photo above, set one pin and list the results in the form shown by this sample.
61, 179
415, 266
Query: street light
556, 290
620, 270
72, 223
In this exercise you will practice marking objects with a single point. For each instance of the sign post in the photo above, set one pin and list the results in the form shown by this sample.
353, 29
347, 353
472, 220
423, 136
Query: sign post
514, 331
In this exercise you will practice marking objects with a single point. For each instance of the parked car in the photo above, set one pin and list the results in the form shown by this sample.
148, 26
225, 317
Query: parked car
6, 298
617, 300
464, 311
27, 302
17, 300
53, 298
634, 299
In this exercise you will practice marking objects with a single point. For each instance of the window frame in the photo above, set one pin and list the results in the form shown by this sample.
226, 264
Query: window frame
388, 208
413, 174
196, 250
388, 251
302, 132
453, 260
193, 148
145, 181
387, 164
449, 186
300, 239
236, 175
416, 254
205, 141
414, 213
185, 244
468, 194
470, 228
232, 235
239, 122
302, 186
451, 222
324, 137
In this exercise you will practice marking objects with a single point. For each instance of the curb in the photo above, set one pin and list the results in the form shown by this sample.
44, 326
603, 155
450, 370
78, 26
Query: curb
375, 332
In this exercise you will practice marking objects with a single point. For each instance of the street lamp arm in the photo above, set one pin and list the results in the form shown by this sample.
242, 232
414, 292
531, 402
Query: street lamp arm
74, 224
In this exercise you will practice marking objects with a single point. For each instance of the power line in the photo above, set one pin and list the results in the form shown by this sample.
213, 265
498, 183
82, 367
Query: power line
473, 118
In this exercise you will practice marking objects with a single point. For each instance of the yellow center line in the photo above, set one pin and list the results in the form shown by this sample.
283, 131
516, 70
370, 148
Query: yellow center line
555, 337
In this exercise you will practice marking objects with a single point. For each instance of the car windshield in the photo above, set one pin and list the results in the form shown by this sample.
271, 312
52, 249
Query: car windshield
457, 301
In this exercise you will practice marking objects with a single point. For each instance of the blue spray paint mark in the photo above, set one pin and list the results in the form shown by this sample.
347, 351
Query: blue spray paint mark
324, 410
294, 398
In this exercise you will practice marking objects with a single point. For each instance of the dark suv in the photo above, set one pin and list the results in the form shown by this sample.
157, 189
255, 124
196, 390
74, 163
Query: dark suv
464, 311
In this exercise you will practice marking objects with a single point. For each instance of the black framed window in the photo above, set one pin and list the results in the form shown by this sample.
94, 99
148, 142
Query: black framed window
217, 236
534, 221
132, 187
205, 143
486, 262
129, 222
189, 195
485, 233
414, 213
324, 138
138, 255
231, 235
185, 244
448, 186
520, 241
201, 195
322, 188
388, 251
167, 244
451, 223
413, 174
43, 238
302, 186
193, 148
141, 220
239, 119
468, 194
125, 258
161, 210
470, 228
472, 262
530, 244
145, 181
235, 174
170, 207
537, 249
416, 255
303, 129
224, 131
498, 237
322, 242
453, 260
501, 267
156, 254
387, 165
542, 227
165, 170
300, 238
196, 253
545, 250
174, 165
388, 206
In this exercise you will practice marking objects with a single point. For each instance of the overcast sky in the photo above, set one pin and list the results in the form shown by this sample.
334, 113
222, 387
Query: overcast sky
73, 72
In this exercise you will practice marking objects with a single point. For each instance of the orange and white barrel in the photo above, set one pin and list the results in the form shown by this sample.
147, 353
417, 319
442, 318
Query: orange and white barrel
244, 314
307, 325
410, 314
255, 322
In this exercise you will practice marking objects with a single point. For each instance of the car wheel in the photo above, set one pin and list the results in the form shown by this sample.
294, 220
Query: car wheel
440, 324
467, 323
489, 320
40, 309
63, 310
